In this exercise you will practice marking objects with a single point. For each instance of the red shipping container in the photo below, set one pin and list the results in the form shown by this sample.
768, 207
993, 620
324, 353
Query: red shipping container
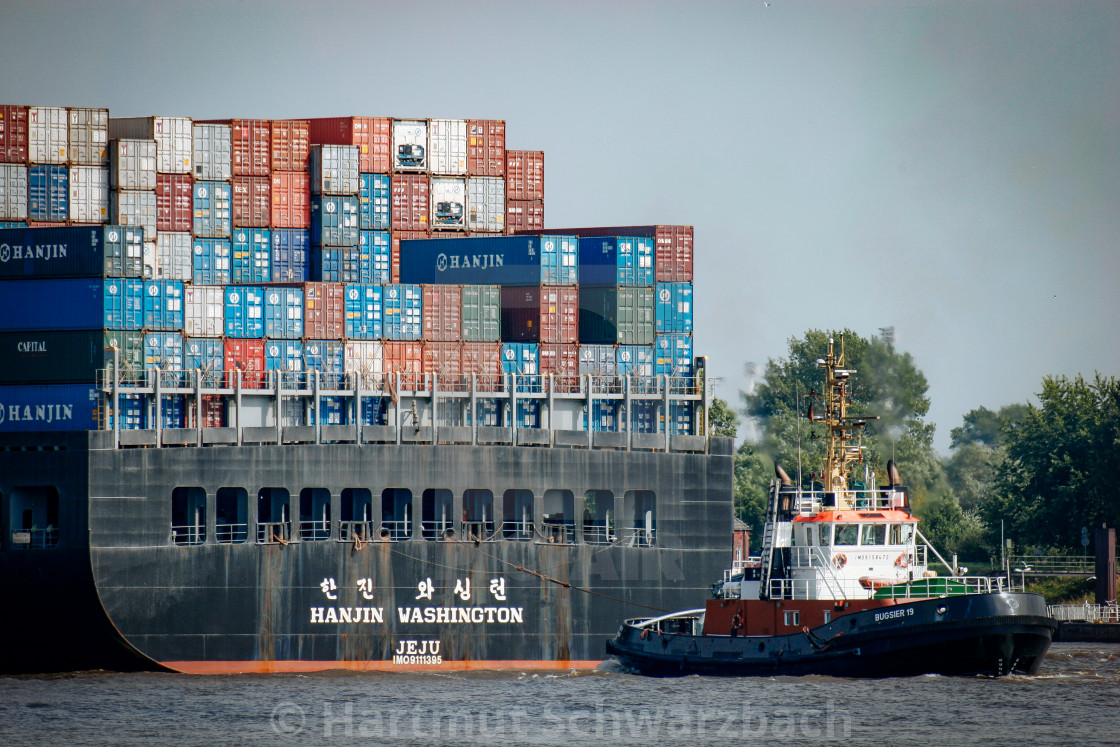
251, 145
486, 147
540, 313
524, 216
562, 361
252, 201
405, 358
13, 134
672, 246
174, 210
396, 237
213, 412
524, 174
409, 202
291, 199
484, 360
324, 315
246, 356
372, 135
443, 312
290, 144
442, 358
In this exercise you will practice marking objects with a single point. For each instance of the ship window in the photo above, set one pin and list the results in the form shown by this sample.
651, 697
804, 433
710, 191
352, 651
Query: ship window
517, 515
314, 514
437, 511
825, 532
641, 506
33, 513
231, 516
598, 517
274, 516
478, 514
792, 617
874, 534
827, 616
559, 520
188, 516
901, 534
355, 515
396, 514
847, 534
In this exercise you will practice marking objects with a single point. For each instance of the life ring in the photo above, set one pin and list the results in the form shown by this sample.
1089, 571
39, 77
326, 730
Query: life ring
840, 561
902, 560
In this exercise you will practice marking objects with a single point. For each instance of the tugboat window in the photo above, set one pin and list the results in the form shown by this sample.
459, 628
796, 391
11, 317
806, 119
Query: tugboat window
231, 516
901, 534
826, 534
396, 514
847, 534
188, 516
314, 514
874, 534
517, 515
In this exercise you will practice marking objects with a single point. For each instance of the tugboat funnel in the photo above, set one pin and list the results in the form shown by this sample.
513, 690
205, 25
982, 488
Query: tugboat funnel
892, 474
781, 475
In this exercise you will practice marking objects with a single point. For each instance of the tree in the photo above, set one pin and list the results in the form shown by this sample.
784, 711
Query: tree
984, 427
722, 420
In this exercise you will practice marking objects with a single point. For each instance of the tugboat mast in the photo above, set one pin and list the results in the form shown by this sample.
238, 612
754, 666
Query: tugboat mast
845, 443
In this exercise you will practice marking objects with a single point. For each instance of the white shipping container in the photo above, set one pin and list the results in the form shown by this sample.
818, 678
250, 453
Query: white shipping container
175, 256
204, 311
363, 357
13, 191
132, 164
448, 141
128, 207
334, 170
89, 137
48, 134
486, 204
449, 202
410, 145
213, 155
172, 135
89, 194
151, 260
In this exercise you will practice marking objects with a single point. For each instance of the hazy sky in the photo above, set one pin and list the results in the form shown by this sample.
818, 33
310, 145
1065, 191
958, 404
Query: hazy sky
951, 169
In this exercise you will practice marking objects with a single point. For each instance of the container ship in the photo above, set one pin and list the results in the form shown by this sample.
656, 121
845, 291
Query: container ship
295, 395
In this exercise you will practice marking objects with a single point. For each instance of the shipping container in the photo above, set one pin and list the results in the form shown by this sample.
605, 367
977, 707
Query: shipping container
212, 261
251, 251
524, 216
334, 264
397, 237
363, 311
443, 312
88, 137
252, 201
48, 134
334, 170
204, 311
402, 312
525, 174
283, 312
128, 207
175, 256
247, 357
213, 408
541, 313
328, 358
174, 202
372, 136
483, 360
615, 260
442, 357
131, 412
635, 360
251, 146
378, 245
447, 139
324, 311
409, 202
48, 193
285, 356
13, 192
674, 308
124, 352
449, 199
486, 147
163, 350
502, 260
561, 362
291, 200
13, 134
363, 357
672, 355
410, 145
206, 354
672, 247
616, 315
373, 202
51, 356
213, 209
49, 407
598, 360
606, 415
482, 313
521, 358
173, 136
75, 251
163, 305
212, 152
486, 204
334, 220
290, 144
288, 262
73, 303
244, 311
132, 164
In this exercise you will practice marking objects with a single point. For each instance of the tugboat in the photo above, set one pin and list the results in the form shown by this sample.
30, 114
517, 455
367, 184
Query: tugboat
842, 587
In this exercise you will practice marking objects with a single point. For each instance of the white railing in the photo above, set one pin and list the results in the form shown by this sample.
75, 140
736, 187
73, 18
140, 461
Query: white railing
314, 530
397, 531
847, 588
274, 532
436, 530
521, 531
640, 537
190, 534
561, 533
809, 502
229, 534
1094, 613
351, 531
598, 534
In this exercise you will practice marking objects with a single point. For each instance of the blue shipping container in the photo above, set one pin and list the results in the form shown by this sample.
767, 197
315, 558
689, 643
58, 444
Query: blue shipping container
76, 251
598, 360
334, 220
12, 224
615, 260
288, 262
48, 407
133, 414
206, 354
373, 202
213, 209
252, 249
285, 356
522, 358
163, 304
605, 415
72, 303
379, 246
500, 260
635, 360
173, 410
163, 350
375, 410
332, 411
212, 261
402, 312
283, 313
672, 355
673, 303
328, 357
363, 312
48, 193
244, 311
332, 264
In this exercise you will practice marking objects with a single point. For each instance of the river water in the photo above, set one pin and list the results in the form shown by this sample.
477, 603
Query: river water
1075, 699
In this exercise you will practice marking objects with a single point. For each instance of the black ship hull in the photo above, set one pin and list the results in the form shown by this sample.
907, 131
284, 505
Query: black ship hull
984, 634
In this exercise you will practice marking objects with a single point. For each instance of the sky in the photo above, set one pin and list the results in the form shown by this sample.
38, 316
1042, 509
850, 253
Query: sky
948, 169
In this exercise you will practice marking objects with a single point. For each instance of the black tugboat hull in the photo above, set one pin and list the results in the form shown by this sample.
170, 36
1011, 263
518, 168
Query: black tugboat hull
984, 634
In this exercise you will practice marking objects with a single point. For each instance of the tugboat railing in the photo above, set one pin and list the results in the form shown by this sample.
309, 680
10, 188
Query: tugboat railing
1094, 613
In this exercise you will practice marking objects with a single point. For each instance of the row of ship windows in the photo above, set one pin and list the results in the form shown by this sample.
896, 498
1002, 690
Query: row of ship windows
826, 534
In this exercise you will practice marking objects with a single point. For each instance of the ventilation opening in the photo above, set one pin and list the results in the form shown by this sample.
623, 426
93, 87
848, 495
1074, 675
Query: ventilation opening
356, 515
34, 517
396, 514
437, 511
231, 516
274, 516
517, 515
188, 516
598, 517
314, 514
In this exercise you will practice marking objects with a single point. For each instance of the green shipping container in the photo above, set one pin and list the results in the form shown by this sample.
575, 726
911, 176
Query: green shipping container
616, 315
482, 312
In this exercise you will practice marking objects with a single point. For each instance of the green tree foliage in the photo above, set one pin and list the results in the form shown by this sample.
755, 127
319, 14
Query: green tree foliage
983, 427
722, 420
752, 478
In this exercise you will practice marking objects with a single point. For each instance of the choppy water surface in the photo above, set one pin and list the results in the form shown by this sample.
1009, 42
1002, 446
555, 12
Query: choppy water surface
1074, 700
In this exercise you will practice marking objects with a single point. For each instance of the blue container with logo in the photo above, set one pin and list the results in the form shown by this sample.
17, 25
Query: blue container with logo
74, 251
374, 199
163, 350
598, 360
285, 356
402, 311
163, 304
252, 249
244, 311
206, 354
334, 264
379, 246
363, 311
72, 303
288, 262
673, 308
615, 260
501, 260
48, 407
212, 203
328, 357
173, 410
48, 192
635, 360
334, 220
212, 261
672, 355
521, 358
283, 313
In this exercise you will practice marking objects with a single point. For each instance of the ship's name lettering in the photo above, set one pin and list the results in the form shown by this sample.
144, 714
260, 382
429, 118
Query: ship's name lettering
892, 614
469, 261
461, 615
37, 251
38, 413
347, 614
31, 346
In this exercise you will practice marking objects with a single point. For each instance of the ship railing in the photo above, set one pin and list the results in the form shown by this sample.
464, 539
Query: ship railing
395, 530
1092, 613
188, 534
314, 530
479, 531
559, 532
810, 502
440, 529
274, 532
598, 534
1057, 565
940, 586
35, 539
520, 531
230, 534
640, 537
355, 531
